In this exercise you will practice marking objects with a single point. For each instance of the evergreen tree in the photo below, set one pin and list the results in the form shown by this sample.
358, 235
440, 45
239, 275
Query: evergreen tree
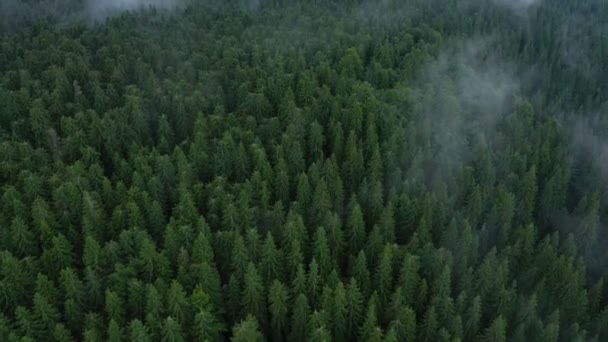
271, 260
375, 172
253, 298
354, 308
340, 313
206, 324
299, 319
356, 227
115, 333
278, 299
138, 331
246, 331
496, 331
171, 331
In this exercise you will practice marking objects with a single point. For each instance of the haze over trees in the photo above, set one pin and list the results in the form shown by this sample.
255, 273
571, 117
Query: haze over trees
305, 171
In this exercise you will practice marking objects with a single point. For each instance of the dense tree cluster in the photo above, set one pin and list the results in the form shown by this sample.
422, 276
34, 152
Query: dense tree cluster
275, 174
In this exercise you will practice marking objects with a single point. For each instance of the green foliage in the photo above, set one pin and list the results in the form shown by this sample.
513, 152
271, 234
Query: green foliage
306, 171
247, 331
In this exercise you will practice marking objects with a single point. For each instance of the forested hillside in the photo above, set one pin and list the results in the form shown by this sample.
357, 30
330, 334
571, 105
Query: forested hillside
306, 171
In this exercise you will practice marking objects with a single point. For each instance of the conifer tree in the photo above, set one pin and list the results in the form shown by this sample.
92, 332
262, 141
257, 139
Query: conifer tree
299, 319
278, 300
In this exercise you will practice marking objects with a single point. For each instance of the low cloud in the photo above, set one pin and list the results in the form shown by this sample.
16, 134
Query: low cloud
589, 140
464, 94
517, 5
101, 9
18, 14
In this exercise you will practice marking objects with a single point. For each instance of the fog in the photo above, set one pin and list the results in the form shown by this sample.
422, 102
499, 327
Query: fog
101, 9
463, 95
15, 14
517, 5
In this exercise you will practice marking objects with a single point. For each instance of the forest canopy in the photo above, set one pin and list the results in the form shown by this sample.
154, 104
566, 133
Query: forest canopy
281, 170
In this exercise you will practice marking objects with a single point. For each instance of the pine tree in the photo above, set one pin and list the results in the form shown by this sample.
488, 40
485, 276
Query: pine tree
340, 313
247, 331
303, 191
391, 335
233, 293
356, 227
354, 307
298, 283
335, 185
74, 290
320, 334
171, 331
278, 299
529, 190
423, 231
253, 297
361, 273
405, 324
45, 314
92, 216
115, 306
335, 238
317, 322
240, 258
316, 141
138, 332
254, 245
295, 241
206, 324
92, 253
39, 120
281, 181
313, 283
271, 260
409, 279
370, 325
472, 325
115, 333
496, 332
321, 203
394, 306
299, 319
21, 239
93, 287
384, 275
177, 302
374, 246
321, 252
430, 326
153, 307
387, 224
60, 334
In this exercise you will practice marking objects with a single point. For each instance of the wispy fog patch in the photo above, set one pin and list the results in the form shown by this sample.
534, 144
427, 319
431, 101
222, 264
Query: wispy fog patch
587, 138
101, 9
578, 39
519, 7
464, 94
589, 148
17, 14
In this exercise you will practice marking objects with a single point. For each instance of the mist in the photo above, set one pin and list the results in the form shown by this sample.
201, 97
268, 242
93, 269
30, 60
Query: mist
588, 141
517, 4
99, 10
588, 157
18, 14
464, 94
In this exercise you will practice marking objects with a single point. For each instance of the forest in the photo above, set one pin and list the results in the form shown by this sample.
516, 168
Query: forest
304, 170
